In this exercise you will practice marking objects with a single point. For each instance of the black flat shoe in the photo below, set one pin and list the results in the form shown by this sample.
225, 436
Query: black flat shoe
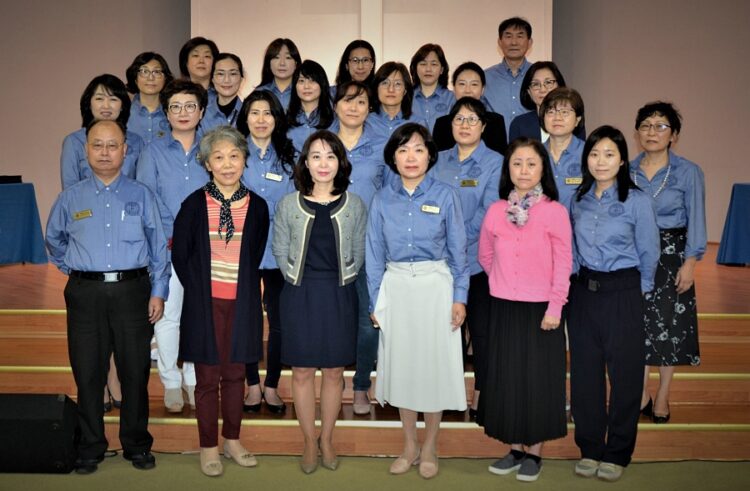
275, 409
142, 461
251, 408
648, 409
107, 406
660, 419
473, 414
87, 466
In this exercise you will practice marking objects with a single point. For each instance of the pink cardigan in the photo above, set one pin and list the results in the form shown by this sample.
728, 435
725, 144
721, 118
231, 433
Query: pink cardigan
530, 263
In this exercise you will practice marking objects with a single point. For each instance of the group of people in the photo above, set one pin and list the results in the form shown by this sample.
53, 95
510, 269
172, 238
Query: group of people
381, 215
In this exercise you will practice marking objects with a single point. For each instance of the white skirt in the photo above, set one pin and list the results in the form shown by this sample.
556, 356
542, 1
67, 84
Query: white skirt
420, 365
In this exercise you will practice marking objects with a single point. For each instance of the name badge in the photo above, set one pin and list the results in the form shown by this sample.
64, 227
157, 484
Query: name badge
573, 180
469, 183
431, 209
274, 177
79, 215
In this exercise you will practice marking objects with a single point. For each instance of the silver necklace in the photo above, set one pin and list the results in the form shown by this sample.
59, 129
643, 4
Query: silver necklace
663, 182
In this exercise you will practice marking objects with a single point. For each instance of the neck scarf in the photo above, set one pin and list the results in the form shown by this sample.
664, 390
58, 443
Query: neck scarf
225, 214
518, 207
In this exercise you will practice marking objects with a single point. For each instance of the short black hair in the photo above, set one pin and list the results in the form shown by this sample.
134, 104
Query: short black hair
273, 49
401, 136
181, 86
526, 100
131, 74
549, 187
360, 88
474, 105
302, 178
469, 65
227, 56
190, 46
624, 182
385, 70
421, 54
517, 22
314, 71
562, 95
281, 143
114, 86
342, 74
660, 108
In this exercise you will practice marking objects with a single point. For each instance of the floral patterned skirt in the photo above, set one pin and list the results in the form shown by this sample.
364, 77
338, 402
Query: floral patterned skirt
671, 319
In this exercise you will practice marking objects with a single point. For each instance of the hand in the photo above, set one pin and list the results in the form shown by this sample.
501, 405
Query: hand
549, 323
685, 276
155, 309
375, 322
458, 314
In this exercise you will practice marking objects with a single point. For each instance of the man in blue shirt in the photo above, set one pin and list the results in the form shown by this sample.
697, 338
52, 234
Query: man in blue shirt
503, 90
106, 234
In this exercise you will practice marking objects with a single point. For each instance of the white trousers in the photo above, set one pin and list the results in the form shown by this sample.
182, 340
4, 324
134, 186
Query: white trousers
167, 333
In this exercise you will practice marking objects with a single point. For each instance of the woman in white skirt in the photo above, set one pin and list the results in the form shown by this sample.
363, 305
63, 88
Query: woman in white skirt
418, 279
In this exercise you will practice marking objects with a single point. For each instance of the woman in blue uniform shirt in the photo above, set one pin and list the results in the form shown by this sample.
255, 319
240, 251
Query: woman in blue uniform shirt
279, 63
270, 163
474, 171
310, 105
418, 279
357, 63
395, 92
616, 250
146, 78
678, 189
197, 59
224, 102
429, 73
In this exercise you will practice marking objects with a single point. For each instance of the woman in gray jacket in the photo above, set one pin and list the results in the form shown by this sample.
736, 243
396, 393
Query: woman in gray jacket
319, 246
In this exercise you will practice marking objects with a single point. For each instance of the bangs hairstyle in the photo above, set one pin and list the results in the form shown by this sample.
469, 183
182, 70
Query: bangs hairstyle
221, 133
420, 55
281, 144
549, 188
469, 65
517, 22
401, 136
131, 74
273, 49
557, 98
112, 86
342, 74
227, 56
660, 108
624, 182
190, 46
312, 70
383, 73
474, 105
181, 86
526, 100
117, 123
302, 178
360, 88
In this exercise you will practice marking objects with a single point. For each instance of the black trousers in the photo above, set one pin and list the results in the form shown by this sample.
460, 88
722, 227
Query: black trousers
273, 282
105, 318
605, 329
478, 321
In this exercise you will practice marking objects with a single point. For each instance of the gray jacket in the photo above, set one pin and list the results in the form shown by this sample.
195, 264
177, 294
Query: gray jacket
291, 235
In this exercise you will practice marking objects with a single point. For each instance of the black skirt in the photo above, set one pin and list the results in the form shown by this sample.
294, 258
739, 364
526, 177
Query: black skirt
523, 398
671, 319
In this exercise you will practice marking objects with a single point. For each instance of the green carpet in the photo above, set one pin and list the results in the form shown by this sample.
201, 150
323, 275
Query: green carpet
182, 472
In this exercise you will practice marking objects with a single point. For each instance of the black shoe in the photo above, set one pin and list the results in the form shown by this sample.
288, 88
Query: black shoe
142, 461
275, 409
648, 409
113, 402
473, 414
252, 408
107, 407
660, 419
87, 466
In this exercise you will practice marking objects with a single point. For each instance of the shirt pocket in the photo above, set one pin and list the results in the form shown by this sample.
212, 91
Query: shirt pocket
131, 229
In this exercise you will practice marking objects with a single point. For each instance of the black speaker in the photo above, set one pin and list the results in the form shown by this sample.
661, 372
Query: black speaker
37, 433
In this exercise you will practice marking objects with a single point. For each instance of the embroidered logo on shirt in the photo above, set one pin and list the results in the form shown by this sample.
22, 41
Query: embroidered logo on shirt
616, 210
79, 215
365, 150
132, 208
164, 125
441, 107
475, 172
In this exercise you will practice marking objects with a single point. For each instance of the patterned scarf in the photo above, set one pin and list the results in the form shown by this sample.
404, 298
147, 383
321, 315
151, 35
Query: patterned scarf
225, 215
518, 208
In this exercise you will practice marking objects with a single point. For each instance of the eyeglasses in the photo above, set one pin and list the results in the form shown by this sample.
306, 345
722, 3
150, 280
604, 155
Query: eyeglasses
657, 127
459, 120
388, 83
189, 107
563, 113
548, 84
231, 74
365, 60
99, 146
145, 72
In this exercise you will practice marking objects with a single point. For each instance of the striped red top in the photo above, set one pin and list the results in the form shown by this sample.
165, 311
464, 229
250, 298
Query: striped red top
225, 258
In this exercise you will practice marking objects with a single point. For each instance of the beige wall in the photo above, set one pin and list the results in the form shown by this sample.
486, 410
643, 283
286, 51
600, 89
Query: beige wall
620, 55
51, 50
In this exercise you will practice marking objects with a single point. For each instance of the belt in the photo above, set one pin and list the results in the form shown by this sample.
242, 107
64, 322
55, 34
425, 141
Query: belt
600, 281
110, 276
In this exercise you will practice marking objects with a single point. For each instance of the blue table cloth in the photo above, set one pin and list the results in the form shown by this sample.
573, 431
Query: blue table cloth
735, 240
21, 239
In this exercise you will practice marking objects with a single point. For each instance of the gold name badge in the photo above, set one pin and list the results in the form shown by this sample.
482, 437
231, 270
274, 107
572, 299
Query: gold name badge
82, 214
431, 209
573, 180
469, 183
273, 177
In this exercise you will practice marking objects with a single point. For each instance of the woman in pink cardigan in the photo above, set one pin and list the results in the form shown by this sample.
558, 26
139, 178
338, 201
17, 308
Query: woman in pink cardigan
525, 248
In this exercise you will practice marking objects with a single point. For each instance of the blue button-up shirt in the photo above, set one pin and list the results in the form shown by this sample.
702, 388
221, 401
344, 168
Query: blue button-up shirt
568, 173
74, 164
424, 226
307, 126
266, 177
283, 97
93, 227
477, 182
682, 200
611, 235
147, 125
213, 117
503, 90
384, 126
172, 174
430, 108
